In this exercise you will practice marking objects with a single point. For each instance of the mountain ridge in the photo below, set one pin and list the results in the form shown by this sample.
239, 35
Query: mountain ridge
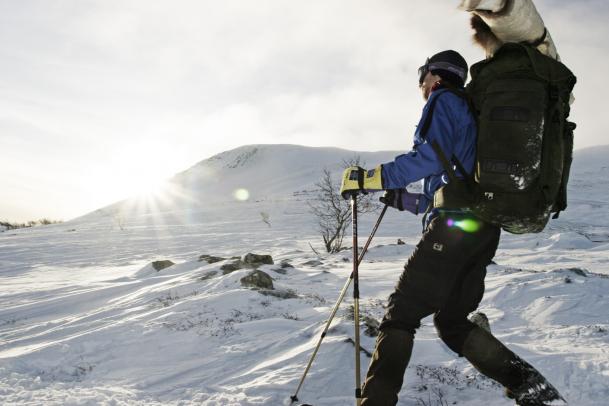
277, 171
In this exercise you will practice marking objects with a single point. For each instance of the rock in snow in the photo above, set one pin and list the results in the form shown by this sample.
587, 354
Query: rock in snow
250, 260
231, 267
160, 265
210, 259
255, 260
257, 279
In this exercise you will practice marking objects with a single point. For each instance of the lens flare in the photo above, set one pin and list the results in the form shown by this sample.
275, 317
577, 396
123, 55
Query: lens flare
467, 225
241, 194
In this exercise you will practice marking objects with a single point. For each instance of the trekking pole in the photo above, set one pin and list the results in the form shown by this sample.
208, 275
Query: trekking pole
341, 296
358, 385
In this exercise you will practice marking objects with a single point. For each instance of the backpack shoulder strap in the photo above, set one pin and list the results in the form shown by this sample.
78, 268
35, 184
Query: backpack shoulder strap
445, 162
436, 147
459, 93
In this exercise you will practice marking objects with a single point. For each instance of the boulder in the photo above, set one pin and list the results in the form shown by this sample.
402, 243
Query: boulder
231, 267
257, 279
210, 259
160, 265
254, 260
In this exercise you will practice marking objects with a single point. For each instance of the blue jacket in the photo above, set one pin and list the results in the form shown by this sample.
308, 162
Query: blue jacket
454, 128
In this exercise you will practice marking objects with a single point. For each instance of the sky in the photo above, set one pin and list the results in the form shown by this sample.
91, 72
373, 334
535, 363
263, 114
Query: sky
100, 100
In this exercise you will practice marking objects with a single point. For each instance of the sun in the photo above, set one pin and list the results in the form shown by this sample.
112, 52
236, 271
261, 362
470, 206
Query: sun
139, 171
142, 177
149, 187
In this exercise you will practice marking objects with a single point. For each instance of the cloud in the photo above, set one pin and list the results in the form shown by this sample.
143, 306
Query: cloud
208, 76
580, 30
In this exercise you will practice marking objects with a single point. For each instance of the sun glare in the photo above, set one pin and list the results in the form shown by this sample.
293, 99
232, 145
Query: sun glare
141, 181
150, 188
138, 171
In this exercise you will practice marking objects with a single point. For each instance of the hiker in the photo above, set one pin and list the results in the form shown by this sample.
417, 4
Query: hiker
445, 274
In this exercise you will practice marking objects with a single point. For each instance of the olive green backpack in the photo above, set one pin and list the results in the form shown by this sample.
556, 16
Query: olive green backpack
520, 99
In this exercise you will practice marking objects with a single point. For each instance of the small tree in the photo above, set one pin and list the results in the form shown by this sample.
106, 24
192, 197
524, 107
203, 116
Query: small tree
333, 213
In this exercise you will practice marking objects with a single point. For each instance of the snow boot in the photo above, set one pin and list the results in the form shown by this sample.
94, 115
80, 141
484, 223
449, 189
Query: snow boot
386, 371
544, 396
523, 382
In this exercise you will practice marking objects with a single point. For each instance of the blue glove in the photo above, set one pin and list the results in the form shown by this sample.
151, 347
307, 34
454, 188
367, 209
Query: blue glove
402, 199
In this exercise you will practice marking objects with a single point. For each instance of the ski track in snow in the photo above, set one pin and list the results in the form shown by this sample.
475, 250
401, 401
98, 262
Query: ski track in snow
86, 320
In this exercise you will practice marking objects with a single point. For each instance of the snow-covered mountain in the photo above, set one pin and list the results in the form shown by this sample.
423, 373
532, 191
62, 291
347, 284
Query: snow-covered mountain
268, 170
264, 172
85, 318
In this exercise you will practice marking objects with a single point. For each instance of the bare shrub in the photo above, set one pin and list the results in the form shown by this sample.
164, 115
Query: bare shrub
332, 212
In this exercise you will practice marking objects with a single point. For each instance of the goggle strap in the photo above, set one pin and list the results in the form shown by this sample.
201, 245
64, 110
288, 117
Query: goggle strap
462, 73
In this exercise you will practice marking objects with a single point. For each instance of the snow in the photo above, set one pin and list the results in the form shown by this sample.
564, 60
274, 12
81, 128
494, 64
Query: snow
86, 320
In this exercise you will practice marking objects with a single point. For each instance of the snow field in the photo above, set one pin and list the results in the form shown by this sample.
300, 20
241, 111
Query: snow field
86, 320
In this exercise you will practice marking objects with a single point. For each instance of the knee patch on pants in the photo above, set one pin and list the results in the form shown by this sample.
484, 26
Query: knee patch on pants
453, 332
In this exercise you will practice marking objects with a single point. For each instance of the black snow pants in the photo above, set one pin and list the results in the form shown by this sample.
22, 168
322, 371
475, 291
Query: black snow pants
444, 276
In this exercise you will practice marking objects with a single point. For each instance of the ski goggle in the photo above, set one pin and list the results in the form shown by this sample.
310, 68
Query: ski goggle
423, 71
429, 66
